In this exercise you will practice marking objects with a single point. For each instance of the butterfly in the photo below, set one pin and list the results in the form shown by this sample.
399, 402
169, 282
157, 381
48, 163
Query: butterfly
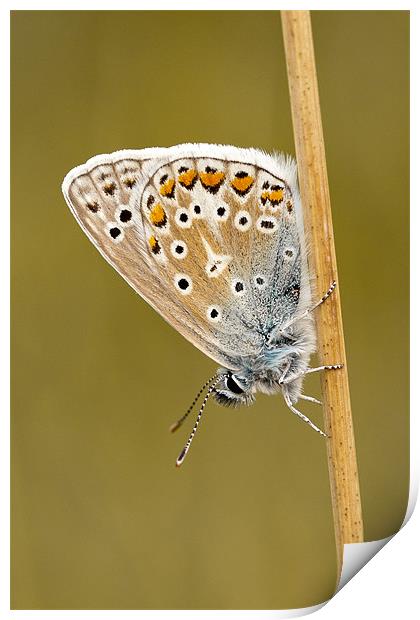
212, 237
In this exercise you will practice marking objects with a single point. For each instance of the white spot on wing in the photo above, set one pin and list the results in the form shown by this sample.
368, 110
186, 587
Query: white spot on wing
183, 283
214, 314
110, 227
183, 218
267, 224
179, 249
238, 288
243, 221
216, 263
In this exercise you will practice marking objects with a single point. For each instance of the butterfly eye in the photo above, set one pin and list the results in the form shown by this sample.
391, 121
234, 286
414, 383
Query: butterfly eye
232, 385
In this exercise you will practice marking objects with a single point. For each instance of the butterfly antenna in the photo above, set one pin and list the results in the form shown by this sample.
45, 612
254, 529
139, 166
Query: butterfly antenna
175, 426
187, 446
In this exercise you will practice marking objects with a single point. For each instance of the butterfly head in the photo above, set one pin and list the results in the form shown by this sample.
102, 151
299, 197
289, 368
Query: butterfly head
269, 374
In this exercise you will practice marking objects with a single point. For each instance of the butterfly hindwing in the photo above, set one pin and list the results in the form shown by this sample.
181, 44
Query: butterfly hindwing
210, 236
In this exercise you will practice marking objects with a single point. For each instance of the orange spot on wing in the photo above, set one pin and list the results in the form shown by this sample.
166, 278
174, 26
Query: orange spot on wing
154, 244
157, 215
276, 196
167, 189
188, 178
264, 197
212, 179
242, 185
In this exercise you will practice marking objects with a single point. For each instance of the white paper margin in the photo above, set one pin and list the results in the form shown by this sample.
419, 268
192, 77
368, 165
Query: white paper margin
355, 555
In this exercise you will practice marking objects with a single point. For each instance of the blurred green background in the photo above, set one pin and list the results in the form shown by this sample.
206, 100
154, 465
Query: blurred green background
100, 516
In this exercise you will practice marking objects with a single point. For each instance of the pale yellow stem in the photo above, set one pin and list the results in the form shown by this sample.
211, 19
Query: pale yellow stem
313, 180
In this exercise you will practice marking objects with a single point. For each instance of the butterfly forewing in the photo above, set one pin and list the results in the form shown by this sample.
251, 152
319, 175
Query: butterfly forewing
210, 236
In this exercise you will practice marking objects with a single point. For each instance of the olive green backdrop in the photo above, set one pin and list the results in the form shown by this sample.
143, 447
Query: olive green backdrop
100, 516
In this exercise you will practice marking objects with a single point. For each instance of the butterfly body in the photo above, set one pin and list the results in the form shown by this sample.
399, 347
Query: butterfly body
212, 237
275, 366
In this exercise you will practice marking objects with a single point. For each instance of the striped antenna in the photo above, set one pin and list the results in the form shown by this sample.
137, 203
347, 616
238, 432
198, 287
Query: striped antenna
175, 426
187, 446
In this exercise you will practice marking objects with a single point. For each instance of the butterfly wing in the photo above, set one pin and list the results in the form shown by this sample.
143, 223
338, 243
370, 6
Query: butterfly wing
210, 236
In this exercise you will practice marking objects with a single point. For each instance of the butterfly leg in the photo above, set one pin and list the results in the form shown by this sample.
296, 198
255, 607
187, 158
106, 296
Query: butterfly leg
285, 371
309, 371
324, 297
310, 399
301, 415
319, 368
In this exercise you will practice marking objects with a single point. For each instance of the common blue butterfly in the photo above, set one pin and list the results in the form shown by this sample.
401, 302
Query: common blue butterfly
212, 237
